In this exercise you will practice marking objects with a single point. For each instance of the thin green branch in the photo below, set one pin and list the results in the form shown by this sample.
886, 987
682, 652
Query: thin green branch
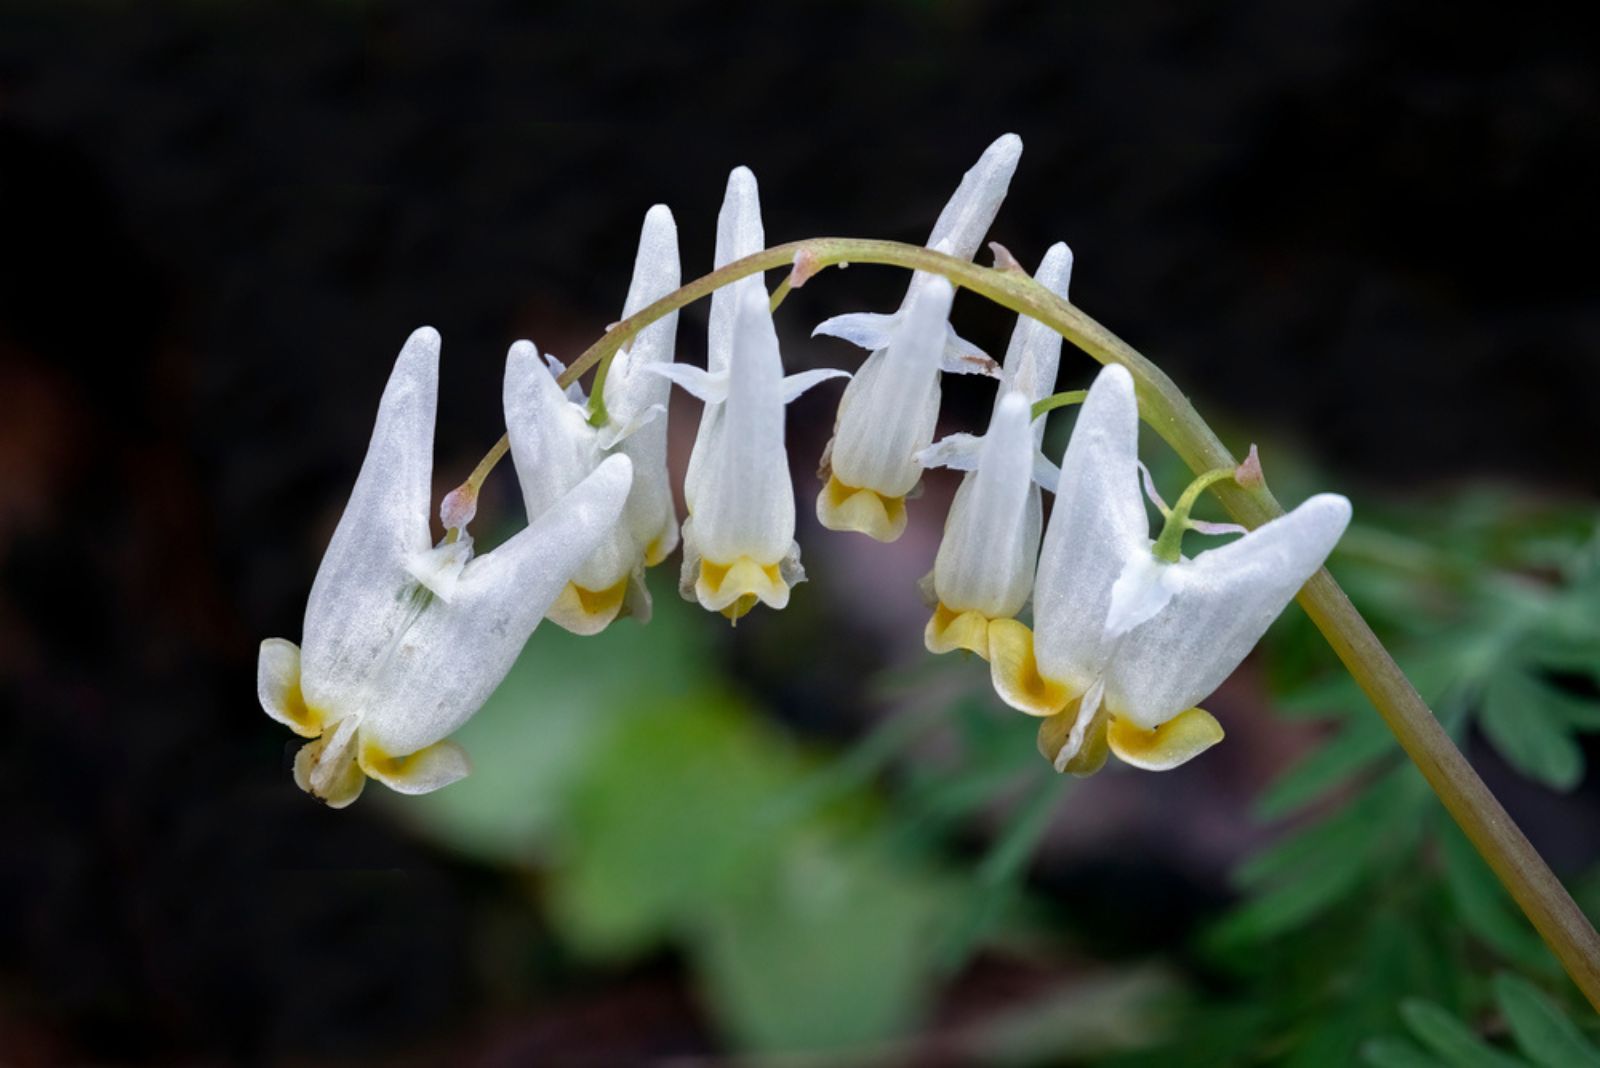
1164, 407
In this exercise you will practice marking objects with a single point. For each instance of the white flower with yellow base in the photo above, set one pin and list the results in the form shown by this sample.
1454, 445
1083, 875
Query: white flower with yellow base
403, 641
1128, 636
887, 413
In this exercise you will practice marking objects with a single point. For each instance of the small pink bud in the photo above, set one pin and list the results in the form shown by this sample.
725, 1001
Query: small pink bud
1003, 259
806, 265
459, 506
1248, 475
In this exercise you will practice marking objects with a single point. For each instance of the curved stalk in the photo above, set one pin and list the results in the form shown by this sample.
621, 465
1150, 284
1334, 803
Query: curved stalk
1515, 862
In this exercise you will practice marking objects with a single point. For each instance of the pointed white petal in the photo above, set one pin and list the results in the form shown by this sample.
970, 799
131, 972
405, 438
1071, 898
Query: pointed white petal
1034, 355
278, 687
656, 272
453, 655
1097, 525
573, 392
986, 558
656, 269
1046, 475
966, 218
889, 409
1222, 602
868, 330
962, 357
708, 386
958, 452
552, 444
746, 504
796, 384
739, 234
352, 614
615, 433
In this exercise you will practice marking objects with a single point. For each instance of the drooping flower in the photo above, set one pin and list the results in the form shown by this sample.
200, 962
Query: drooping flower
738, 541
1125, 643
556, 447
984, 569
403, 642
887, 414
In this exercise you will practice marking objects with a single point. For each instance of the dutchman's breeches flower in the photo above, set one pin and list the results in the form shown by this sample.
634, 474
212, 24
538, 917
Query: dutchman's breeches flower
738, 542
984, 570
1126, 642
888, 412
555, 445
403, 642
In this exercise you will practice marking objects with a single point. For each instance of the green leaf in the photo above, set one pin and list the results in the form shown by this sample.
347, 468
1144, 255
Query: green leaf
1486, 909
1363, 742
1451, 1039
1516, 717
1397, 1053
1544, 1034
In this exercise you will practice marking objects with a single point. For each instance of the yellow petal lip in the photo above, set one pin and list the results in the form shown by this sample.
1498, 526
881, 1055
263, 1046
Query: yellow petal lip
1177, 741
949, 630
1015, 673
424, 771
740, 583
583, 611
866, 511
656, 551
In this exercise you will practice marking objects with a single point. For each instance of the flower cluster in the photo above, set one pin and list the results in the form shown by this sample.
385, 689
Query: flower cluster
404, 639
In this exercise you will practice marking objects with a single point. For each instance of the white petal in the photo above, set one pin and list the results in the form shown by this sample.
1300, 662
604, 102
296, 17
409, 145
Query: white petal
454, 655
422, 772
986, 558
970, 211
889, 409
615, 433
1098, 524
867, 330
708, 386
552, 444
1034, 355
796, 384
962, 357
1222, 602
574, 391
353, 613
958, 452
746, 503
629, 392
1046, 475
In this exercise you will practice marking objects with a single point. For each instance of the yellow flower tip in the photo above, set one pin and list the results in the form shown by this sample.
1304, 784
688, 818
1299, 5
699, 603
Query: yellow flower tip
723, 586
656, 551
740, 608
1174, 742
584, 611
842, 507
324, 768
421, 772
949, 630
1015, 673
1056, 731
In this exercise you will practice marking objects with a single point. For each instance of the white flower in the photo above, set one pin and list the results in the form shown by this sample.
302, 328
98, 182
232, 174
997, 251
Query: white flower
738, 542
403, 642
888, 411
984, 570
555, 447
1125, 644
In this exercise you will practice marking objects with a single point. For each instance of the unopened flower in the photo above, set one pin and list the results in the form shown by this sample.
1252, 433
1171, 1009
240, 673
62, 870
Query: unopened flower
738, 542
556, 447
984, 570
1125, 643
887, 414
403, 642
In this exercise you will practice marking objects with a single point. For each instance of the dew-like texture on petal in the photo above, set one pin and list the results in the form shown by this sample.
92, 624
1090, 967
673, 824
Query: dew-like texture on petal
1033, 358
889, 409
554, 448
746, 504
991, 535
739, 234
1177, 741
1097, 524
1222, 602
422, 772
355, 610
976, 201
453, 656
631, 394
278, 687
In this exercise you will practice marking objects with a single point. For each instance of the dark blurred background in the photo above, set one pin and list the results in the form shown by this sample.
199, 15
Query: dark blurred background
1363, 229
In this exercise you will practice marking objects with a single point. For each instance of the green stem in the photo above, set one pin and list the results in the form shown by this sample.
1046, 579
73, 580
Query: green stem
1169, 545
1164, 407
1057, 400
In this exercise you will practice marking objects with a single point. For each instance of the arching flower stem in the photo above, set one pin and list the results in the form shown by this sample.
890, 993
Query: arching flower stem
1058, 400
1164, 407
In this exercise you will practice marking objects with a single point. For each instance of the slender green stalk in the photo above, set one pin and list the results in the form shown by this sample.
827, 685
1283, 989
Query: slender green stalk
1169, 545
1058, 400
1515, 862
